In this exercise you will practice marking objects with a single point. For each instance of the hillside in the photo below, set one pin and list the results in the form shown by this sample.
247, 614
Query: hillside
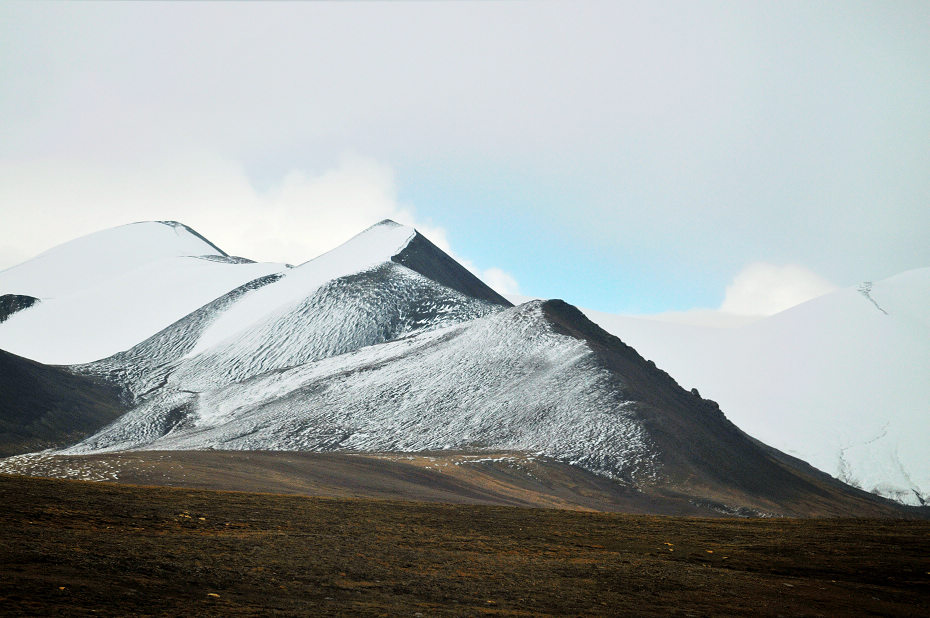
538, 378
43, 407
386, 345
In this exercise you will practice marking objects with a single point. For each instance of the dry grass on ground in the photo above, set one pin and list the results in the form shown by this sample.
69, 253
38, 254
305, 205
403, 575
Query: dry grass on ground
76, 547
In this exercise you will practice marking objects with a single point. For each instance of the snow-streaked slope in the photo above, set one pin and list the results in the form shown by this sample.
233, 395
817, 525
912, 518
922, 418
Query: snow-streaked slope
346, 314
107, 291
840, 381
343, 315
539, 377
366, 250
506, 380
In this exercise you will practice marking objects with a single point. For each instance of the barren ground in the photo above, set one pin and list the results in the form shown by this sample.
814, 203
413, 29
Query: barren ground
72, 547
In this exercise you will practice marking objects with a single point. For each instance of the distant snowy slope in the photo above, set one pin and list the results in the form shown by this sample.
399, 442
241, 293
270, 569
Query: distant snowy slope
90, 260
107, 291
842, 381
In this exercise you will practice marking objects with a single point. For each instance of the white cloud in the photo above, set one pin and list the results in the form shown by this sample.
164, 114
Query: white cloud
500, 281
45, 203
765, 289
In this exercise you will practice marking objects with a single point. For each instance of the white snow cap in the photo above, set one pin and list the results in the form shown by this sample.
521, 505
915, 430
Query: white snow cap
107, 291
88, 260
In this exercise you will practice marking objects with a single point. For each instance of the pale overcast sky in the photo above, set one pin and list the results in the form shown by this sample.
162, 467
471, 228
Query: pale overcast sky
629, 157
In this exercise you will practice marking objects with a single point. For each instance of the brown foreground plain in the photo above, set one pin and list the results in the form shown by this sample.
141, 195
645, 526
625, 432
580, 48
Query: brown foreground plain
78, 548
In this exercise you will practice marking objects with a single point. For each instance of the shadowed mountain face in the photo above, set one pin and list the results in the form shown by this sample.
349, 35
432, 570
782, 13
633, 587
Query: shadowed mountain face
703, 453
427, 259
43, 406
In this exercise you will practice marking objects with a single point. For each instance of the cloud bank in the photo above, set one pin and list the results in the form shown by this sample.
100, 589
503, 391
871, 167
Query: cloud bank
628, 156
765, 289
294, 220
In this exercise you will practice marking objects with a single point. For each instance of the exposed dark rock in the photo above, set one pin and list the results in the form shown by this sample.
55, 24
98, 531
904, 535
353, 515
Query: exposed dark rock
226, 259
11, 303
432, 262
193, 232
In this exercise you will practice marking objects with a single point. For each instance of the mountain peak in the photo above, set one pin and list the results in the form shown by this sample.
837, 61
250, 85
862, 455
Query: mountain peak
106, 291
76, 264
372, 246
180, 226
422, 256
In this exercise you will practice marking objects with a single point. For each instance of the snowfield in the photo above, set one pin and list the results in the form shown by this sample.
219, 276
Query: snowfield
105, 292
842, 381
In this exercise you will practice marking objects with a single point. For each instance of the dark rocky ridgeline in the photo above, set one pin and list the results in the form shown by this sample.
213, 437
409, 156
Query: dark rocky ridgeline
705, 457
11, 303
180, 226
44, 406
433, 263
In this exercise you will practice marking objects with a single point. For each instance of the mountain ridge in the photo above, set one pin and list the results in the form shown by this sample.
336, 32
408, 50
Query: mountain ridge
386, 344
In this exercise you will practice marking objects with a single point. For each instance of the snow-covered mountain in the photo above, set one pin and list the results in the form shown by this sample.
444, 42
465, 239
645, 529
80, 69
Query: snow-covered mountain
539, 377
354, 296
842, 381
105, 292
386, 344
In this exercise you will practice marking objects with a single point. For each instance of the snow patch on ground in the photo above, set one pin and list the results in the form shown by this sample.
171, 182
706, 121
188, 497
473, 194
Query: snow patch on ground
46, 464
